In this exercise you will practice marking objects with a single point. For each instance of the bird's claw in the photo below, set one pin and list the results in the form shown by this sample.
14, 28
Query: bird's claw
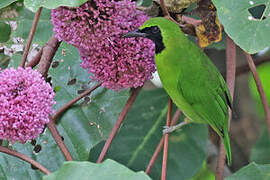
168, 129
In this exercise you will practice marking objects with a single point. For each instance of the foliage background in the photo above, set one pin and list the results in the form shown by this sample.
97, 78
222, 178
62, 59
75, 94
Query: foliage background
87, 124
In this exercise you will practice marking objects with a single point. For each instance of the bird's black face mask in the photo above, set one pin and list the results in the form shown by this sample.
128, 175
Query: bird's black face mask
152, 33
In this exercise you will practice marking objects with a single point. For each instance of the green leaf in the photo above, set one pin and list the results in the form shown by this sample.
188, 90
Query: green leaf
141, 132
247, 22
252, 171
5, 31
260, 151
108, 170
82, 126
5, 3
263, 71
44, 27
33, 5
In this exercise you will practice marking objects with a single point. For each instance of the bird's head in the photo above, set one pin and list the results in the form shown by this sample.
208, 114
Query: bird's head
158, 29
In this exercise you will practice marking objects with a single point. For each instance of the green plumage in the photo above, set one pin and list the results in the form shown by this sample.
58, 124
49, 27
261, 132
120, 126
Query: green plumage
191, 79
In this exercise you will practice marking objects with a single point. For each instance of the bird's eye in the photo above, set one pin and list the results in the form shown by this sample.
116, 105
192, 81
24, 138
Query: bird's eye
155, 30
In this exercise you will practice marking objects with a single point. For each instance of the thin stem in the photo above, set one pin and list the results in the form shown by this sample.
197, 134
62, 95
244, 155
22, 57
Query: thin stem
65, 107
164, 8
30, 37
118, 123
58, 139
35, 59
260, 89
230, 77
166, 142
25, 158
161, 143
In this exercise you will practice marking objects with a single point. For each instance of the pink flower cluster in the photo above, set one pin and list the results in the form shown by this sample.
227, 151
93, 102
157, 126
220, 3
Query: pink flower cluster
95, 29
25, 104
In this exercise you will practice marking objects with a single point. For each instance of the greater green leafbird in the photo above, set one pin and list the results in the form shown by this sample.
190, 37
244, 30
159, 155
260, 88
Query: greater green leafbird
189, 77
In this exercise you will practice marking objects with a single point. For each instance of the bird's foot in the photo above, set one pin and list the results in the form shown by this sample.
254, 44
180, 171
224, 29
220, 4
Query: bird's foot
168, 129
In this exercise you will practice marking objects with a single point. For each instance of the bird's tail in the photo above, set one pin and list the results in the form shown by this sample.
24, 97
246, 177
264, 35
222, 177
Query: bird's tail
227, 145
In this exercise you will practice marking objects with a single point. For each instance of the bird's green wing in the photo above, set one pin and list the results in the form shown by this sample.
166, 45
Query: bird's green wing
209, 97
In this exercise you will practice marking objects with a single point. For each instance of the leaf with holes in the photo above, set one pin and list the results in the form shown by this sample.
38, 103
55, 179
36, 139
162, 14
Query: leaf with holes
33, 5
107, 170
82, 126
134, 145
252, 171
247, 22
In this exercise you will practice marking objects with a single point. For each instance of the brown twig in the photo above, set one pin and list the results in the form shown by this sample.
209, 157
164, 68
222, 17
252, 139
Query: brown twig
166, 142
56, 136
118, 123
49, 51
260, 89
30, 37
230, 77
25, 158
65, 107
164, 8
175, 118
35, 59
47, 56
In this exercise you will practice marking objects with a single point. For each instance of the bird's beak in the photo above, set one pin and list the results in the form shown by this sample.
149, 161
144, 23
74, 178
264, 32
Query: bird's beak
136, 33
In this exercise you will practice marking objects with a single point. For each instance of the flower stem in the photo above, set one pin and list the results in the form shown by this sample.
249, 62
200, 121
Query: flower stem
65, 107
118, 123
260, 89
52, 128
230, 77
166, 142
25, 158
161, 143
30, 37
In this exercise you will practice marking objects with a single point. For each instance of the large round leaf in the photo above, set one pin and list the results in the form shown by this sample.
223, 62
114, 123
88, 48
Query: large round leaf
247, 22
33, 5
108, 170
252, 171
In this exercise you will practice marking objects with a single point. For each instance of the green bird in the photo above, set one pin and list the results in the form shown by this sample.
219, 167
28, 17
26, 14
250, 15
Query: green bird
190, 78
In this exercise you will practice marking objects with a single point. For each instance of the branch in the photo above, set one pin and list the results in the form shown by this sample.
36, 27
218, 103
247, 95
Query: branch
118, 123
260, 89
230, 77
164, 9
161, 143
35, 59
166, 142
65, 107
30, 37
47, 56
49, 51
58, 139
25, 158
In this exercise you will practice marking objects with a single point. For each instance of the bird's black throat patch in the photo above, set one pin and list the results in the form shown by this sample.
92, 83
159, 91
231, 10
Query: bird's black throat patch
154, 34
